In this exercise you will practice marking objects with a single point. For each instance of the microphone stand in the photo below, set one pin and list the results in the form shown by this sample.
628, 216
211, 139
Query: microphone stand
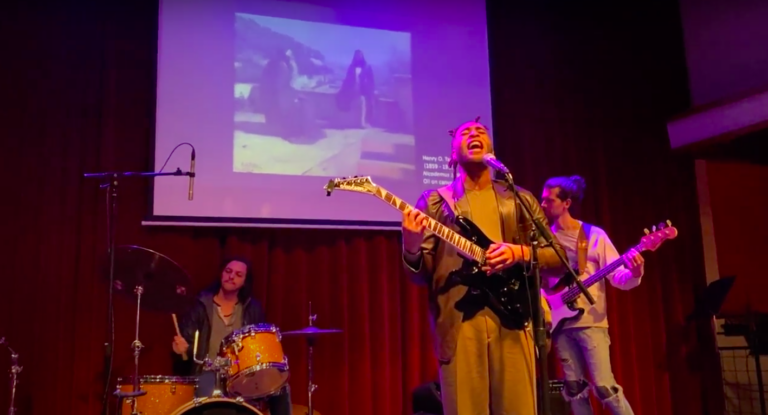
540, 331
15, 370
111, 179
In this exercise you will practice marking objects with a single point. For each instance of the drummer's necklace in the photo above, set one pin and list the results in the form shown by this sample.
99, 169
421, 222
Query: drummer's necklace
224, 317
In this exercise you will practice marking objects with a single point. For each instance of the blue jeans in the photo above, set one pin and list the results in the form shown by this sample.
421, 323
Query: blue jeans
279, 404
584, 354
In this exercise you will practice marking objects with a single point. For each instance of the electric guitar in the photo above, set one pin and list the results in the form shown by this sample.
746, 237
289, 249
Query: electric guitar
565, 299
504, 292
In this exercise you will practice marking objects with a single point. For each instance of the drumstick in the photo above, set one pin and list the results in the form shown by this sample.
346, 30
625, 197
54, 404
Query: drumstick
194, 351
178, 332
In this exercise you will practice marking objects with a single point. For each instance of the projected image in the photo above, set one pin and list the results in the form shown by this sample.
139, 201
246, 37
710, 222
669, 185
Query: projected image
317, 99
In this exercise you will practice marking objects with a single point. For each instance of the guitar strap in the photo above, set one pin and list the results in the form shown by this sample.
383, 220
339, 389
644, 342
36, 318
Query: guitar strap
582, 246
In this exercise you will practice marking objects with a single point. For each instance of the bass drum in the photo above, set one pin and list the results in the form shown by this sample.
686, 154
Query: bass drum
217, 406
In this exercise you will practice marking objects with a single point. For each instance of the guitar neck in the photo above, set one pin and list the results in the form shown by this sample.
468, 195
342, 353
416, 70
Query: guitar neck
459, 242
593, 279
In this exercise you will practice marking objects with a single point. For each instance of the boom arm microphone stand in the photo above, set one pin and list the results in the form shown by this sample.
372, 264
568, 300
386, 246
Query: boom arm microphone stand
111, 184
540, 332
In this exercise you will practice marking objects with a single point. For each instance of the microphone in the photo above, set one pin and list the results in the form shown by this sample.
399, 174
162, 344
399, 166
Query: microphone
491, 161
192, 175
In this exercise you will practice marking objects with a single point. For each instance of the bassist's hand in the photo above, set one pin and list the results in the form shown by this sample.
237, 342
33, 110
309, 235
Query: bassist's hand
414, 223
501, 256
633, 262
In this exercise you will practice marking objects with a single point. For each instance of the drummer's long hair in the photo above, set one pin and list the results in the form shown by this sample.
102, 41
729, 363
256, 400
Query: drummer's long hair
246, 291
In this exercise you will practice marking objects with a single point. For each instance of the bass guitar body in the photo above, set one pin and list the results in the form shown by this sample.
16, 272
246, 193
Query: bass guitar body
562, 311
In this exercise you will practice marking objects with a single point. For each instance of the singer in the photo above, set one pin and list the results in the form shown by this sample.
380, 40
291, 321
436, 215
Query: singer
225, 306
484, 367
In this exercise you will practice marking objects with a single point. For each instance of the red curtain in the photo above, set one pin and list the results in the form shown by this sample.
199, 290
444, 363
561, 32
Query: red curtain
576, 91
733, 219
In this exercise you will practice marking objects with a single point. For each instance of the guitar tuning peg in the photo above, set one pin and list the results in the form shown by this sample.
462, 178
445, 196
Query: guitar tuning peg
669, 222
653, 229
662, 225
646, 231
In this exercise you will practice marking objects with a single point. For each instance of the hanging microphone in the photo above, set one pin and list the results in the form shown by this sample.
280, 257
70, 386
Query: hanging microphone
491, 161
192, 175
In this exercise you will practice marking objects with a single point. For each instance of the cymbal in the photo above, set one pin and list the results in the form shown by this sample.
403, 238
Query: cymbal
166, 287
310, 331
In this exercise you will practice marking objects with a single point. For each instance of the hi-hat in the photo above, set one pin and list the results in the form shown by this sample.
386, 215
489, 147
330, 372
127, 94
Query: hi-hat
166, 287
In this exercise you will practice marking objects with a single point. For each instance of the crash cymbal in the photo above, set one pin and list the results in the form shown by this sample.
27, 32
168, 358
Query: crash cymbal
310, 331
166, 287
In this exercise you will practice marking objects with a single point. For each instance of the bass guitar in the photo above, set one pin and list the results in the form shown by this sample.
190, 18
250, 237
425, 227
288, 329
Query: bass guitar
505, 292
565, 300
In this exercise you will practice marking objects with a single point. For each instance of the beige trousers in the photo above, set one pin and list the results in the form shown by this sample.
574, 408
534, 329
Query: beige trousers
492, 372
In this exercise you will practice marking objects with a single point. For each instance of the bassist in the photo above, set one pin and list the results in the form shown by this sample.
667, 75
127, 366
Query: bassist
486, 366
582, 344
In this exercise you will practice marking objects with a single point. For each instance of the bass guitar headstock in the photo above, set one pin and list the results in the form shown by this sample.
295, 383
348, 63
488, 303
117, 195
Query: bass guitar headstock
656, 236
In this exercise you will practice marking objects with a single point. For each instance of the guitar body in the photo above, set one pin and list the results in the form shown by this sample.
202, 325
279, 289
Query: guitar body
562, 311
505, 293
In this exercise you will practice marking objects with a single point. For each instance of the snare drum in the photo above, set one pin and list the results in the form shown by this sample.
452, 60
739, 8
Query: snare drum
164, 394
258, 365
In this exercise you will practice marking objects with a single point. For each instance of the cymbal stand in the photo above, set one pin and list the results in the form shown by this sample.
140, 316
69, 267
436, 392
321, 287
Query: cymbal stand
310, 346
136, 346
15, 370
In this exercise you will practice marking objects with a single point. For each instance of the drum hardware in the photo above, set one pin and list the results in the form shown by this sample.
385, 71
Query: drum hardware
311, 333
15, 370
137, 346
219, 365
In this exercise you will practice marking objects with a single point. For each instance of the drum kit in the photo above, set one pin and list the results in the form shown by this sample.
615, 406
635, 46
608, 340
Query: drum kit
249, 368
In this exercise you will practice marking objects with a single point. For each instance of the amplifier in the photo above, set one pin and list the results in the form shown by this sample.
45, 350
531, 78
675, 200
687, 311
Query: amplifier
557, 403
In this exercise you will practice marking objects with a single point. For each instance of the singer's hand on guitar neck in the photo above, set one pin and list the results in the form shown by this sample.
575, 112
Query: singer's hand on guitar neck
414, 223
501, 256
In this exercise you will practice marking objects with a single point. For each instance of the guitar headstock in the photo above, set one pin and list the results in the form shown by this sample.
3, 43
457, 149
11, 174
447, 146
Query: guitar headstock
656, 236
362, 184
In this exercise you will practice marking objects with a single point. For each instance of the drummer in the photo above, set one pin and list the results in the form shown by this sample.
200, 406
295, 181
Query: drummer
225, 306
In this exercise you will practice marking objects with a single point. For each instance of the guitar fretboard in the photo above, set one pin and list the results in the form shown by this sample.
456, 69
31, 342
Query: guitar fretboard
461, 243
574, 292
